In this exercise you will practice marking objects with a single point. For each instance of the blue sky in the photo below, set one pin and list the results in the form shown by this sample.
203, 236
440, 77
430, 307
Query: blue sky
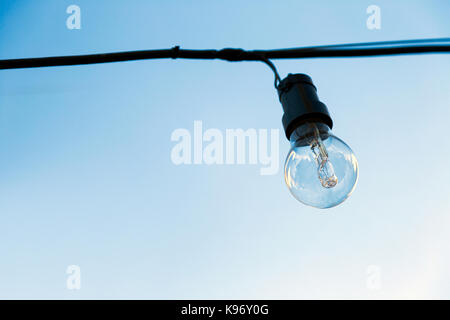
86, 176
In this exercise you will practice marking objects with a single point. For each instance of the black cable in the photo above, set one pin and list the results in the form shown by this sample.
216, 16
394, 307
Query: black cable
224, 54
231, 54
275, 71
383, 43
303, 53
368, 49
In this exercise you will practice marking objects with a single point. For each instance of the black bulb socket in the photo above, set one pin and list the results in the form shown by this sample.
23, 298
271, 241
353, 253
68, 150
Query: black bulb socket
300, 102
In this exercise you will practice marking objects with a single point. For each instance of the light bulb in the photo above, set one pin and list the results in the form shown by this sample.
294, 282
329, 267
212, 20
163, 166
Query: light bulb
320, 169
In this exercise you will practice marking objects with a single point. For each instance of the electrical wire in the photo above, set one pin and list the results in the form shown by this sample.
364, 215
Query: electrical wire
384, 43
274, 69
367, 49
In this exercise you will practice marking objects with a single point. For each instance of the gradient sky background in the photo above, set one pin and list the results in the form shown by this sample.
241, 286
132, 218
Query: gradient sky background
86, 176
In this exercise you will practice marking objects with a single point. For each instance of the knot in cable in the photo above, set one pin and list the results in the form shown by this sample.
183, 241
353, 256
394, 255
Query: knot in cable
175, 52
232, 54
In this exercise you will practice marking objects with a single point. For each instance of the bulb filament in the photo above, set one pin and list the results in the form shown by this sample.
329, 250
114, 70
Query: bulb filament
325, 169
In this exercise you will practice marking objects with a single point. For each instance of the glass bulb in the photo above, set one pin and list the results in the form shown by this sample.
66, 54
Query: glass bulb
320, 169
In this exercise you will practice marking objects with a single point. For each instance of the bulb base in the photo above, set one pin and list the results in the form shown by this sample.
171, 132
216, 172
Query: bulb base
300, 102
